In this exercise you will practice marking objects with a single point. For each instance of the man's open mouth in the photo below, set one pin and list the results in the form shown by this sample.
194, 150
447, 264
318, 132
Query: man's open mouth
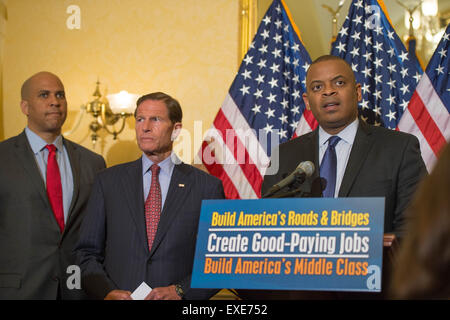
330, 105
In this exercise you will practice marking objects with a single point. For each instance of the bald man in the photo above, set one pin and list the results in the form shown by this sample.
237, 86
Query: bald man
368, 161
45, 181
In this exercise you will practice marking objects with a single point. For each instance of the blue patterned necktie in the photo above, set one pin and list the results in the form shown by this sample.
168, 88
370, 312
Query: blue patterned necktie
328, 167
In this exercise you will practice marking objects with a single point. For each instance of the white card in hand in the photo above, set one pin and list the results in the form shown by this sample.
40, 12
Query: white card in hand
141, 292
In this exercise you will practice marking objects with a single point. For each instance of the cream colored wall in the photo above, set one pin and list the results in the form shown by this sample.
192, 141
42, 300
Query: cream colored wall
187, 49
308, 21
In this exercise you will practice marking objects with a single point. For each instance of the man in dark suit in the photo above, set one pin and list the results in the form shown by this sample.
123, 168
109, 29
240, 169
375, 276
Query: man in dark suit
39, 222
142, 219
369, 161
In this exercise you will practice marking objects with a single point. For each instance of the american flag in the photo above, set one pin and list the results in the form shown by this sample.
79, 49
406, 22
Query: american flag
411, 42
380, 61
428, 113
263, 107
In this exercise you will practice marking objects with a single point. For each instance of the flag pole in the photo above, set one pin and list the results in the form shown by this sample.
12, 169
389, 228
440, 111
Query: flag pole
410, 11
334, 16
247, 13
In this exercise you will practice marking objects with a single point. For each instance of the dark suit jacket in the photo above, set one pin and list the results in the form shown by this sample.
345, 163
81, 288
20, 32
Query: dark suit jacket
113, 251
382, 163
34, 256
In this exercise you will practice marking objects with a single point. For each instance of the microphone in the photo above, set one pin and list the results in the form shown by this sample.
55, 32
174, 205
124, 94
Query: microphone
303, 170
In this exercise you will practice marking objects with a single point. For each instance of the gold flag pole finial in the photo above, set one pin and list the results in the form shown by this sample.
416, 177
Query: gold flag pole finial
334, 15
410, 11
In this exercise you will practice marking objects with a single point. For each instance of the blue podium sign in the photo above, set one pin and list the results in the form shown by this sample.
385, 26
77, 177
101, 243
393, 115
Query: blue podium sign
321, 244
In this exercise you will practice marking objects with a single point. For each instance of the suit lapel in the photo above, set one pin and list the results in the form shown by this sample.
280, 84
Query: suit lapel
74, 159
26, 158
358, 154
176, 196
312, 146
307, 149
133, 189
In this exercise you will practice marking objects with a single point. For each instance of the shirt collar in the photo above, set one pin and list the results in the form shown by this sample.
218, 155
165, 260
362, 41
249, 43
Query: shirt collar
166, 165
37, 143
347, 134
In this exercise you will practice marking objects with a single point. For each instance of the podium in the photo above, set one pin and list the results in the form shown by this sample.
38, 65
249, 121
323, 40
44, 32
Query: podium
295, 248
390, 247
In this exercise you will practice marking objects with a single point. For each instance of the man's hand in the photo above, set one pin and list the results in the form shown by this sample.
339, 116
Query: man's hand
163, 293
118, 295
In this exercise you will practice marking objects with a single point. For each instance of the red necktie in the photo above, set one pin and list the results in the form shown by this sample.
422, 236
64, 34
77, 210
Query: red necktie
153, 206
54, 187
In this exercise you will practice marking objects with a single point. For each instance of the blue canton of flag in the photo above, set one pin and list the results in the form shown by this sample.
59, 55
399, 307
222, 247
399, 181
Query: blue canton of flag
271, 79
382, 65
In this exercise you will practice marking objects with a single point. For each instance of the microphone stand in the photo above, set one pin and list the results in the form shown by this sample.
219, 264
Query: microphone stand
290, 193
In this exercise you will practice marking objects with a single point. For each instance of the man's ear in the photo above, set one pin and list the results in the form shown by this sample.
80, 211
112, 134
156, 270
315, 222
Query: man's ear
24, 107
176, 130
358, 92
305, 100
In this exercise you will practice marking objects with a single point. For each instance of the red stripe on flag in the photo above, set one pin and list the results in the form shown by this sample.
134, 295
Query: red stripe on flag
250, 170
217, 170
309, 117
426, 124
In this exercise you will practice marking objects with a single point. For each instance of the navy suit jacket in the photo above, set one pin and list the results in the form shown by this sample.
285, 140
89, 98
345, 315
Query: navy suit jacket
34, 255
382, 163
113, 251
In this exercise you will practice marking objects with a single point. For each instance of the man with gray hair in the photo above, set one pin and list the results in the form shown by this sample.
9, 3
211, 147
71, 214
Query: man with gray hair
142, 218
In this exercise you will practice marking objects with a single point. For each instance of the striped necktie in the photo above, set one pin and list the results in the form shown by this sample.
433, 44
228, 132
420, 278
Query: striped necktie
328, 167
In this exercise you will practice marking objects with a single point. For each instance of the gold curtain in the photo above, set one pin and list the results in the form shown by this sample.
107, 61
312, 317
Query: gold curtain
248, 17
3, 18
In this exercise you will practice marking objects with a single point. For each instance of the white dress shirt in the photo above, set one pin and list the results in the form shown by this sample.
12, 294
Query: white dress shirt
165, 175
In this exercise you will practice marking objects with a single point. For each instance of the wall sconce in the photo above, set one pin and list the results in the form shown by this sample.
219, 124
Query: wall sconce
110, 111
